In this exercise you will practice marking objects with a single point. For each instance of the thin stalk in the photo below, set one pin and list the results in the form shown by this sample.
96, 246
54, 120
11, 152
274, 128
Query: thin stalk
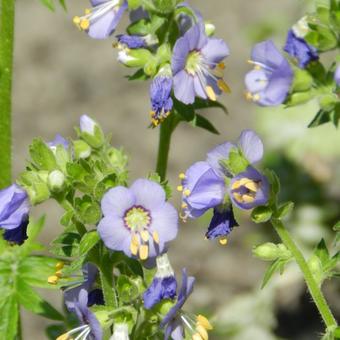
7, 11
312, 285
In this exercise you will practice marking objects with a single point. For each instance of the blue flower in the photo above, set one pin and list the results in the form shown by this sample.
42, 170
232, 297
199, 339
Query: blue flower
298, 48
164, 284
131, 41
269, 82
58, 140
337, 76
17, 235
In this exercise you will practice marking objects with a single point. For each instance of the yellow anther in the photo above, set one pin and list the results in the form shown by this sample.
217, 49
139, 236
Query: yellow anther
180, 188
196, 336
248, 198
155, 237
184, 205
238, 197
257, 67
53, 279
186, 192
133, 248
143, 252
221, 66
181, 175
236, 185
59, 265
223, 86
58, 273
256, 97
76, 20
210, 93
203, 321
251, 186
84, 24
64, 337
152, 113
249, 96
145, 235
223, 241
202, 332
249, 61
87, 11
134, 239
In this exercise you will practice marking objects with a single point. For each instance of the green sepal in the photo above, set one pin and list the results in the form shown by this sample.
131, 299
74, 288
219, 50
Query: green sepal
66, 244
88, 241
277, 266
236, 163
261, 214
42, 156
129, 288
302, 80
164, 6
134, 4
88, 210
284, 210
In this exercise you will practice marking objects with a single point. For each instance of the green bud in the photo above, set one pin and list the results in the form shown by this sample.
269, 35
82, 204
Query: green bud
56, 181
81, 149
302, 80
134, 4
91, 132
164, 306
328, 101
299, 98
164, 6
284, 252
209, 28
315, 267
118, 159
103, 317
134, 58
164, 54
267, 251
150, 68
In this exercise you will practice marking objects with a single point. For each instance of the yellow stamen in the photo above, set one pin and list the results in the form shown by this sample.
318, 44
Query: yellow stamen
181, 175
155, 237
64, 337
87, 11
223, 241
59, 265
53, 279
238, 197
257, 67
152, 113
184, 205
76, 20
186, 192
210, 93
84, 24
58, 273
223, 86
248, 198
221, 66
134, 239
202, 332
180, 188
133, 248
145, 235
196, 336
251, 186
249, 96
143, 252
203, 321
256, 97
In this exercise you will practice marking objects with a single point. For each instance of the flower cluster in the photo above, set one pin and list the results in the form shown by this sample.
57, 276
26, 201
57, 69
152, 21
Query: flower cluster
191, 66
226, 179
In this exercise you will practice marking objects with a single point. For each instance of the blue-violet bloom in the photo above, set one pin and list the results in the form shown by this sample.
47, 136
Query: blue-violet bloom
163, 285
249, 189
197, 65
90, 328
58, 140
17, 235
138, 220
102, 19
131, 41
337, 76
269, 82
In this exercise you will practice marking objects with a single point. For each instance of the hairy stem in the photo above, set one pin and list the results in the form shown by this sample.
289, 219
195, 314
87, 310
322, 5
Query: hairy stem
313, 287
7, 11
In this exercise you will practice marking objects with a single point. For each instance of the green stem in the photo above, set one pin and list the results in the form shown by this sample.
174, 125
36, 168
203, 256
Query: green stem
165, 132
7, 10
313, 287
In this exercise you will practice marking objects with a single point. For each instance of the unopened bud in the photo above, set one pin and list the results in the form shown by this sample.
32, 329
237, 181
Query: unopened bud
302, 80
267, 251
120, 332
91, 132
81, 149
134, 57
209, 28
56, 181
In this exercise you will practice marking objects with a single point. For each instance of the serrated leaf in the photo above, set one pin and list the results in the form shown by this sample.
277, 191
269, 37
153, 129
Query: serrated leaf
9, 317
30, 300
88, 241
204, 123
261, 214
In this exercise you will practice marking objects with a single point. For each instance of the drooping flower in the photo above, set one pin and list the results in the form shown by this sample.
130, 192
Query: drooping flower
17, 235
120, 332
90, 328
58, 140
164, 284
138, 220
337, 76
177, 322
197, 65
14, 207
298, 48
102, 19
222, 223
202, 189
160, 95
269, 82
249, 189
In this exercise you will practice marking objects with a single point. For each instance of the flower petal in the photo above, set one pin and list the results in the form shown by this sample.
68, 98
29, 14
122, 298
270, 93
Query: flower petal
215, 50
117, 200
217, 154
179, 56
184, 87
251, 146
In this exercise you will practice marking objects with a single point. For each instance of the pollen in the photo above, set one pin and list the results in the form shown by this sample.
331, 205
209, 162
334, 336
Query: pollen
143, 252
196, 336
64, 337
202, 332
186, 192
59, 265
223, 241
155, 237
251, 185
221, 66
223, 86
58, 273
181, 176
84, 24
256, 97
248, 198
184, 205
203, 321
53, 279
145, 235
210, 93
180, 188
249, 96
133, 248
87, 11
76, 20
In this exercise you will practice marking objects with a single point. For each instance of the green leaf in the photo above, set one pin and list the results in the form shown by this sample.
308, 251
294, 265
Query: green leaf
42, 156
127, 289
321, 117
89, 211
208, 104
34, 228
88, 241
34, 303
284, 210
53, 331
204, 123
277, 265
322, 253
236, 162
261, 214
66, 244
9, 317
186, 112
49, 4
138, 75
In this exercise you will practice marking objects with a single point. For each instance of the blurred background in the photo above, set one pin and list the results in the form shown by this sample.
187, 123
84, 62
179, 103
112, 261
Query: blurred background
60, 73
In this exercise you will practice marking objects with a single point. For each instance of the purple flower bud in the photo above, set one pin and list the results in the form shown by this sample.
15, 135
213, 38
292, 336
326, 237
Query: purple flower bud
269, 82
298, 48
131, 41
91, 132
58, 140
87, 124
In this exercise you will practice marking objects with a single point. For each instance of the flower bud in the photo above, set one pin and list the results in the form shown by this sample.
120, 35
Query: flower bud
302, 80
81, 149
164, 6
91, 132
266, 251
120, 332
299, 98
56, 181
315, 267
209, 28
134, 57
164, 54
328, 101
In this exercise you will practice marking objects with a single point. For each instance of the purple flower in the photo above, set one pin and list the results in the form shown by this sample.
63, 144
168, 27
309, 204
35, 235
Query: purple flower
249, 189
298, 48
138, 220
101, 21
337, 76
176, 320
14, 207
17, 235
164, 284
202, 188
58, 140
160, 97
197, 65
131, 41
90, 327
221, 224
269, 82
95, 296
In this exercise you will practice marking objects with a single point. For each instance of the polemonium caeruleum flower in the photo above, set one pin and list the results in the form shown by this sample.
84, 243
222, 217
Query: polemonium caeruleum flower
131, 41
337, 75
186, 21
177, 322
138, 220
269, 82
197, 65
102, 19
298, 48
160, 95
163, 285
249, 189
58, 140
17, 235
90, 328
